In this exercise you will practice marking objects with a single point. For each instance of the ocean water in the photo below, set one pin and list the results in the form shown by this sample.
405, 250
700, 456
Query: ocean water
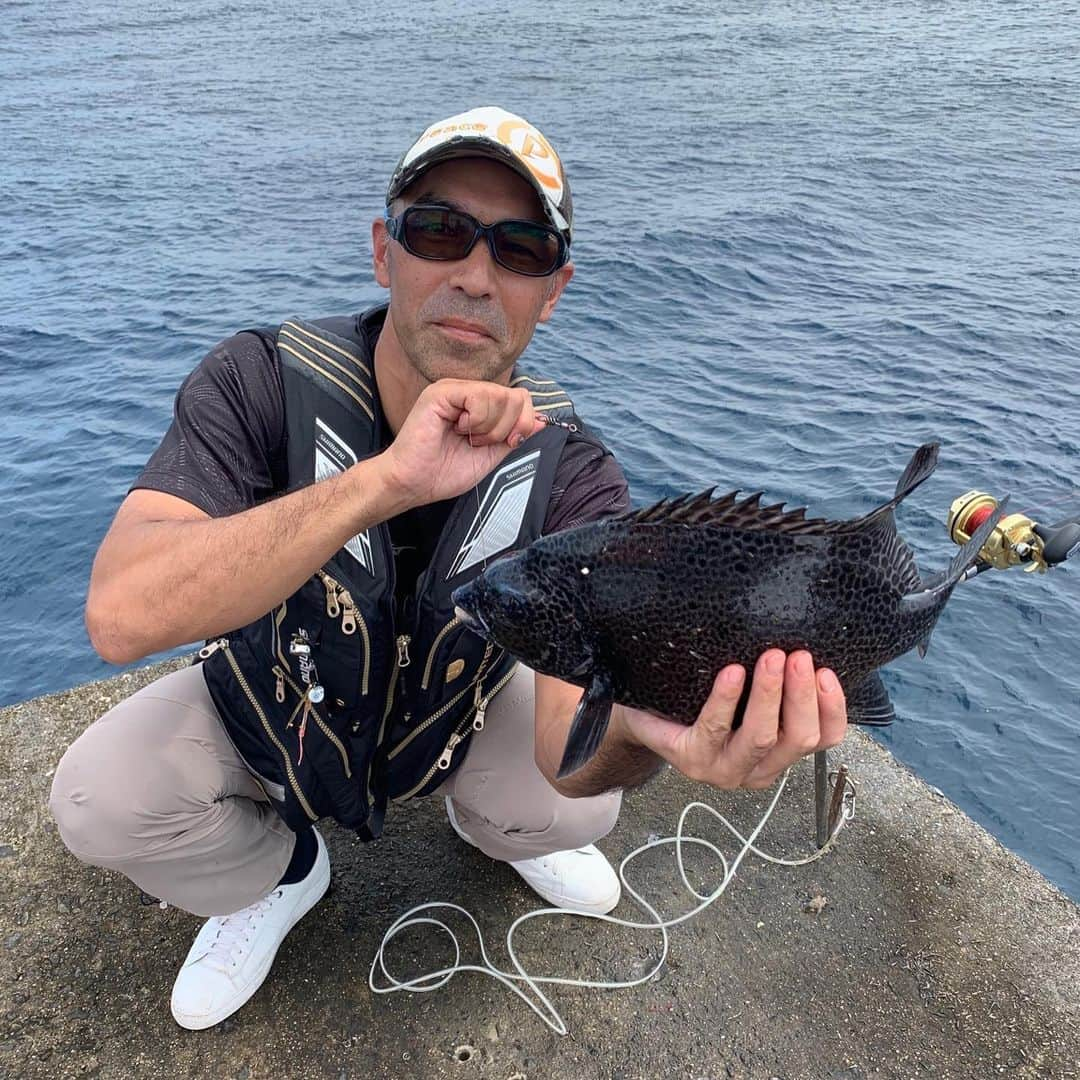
809, 237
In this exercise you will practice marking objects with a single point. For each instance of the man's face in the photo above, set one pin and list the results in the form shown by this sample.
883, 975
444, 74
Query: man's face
471, 318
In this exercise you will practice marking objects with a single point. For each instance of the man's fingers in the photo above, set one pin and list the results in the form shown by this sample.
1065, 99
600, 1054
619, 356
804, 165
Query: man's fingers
662, 737
815, 723
523, 423
800, 731
760, 727
713, 725
832, 709
491, 414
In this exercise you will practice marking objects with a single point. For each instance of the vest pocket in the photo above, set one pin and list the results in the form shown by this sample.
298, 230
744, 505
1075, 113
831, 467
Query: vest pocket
288, 742
442, 670
420, 754
472, 721
318, 743
258, 734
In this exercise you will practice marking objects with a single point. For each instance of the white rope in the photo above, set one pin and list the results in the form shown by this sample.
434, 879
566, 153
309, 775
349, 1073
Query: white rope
539, 1002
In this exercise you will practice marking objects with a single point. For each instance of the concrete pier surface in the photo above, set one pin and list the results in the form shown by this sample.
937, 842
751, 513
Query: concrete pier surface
918, 947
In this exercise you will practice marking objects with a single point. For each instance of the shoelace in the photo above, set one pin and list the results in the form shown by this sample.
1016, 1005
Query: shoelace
233, 930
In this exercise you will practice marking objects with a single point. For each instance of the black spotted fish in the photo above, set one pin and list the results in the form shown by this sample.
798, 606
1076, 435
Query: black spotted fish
646, 608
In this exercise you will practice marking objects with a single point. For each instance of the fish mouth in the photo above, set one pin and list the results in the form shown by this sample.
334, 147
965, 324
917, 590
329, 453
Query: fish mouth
473, 621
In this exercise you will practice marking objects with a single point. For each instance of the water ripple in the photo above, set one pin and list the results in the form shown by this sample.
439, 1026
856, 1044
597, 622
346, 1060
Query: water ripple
808, 238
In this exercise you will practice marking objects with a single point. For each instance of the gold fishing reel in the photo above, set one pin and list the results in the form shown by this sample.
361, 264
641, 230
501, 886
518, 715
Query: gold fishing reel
1014, 541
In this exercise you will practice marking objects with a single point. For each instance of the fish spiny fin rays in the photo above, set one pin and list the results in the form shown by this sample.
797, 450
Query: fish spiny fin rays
703, 509
589, 724
943, 584
728, 510
868, 704
923, 462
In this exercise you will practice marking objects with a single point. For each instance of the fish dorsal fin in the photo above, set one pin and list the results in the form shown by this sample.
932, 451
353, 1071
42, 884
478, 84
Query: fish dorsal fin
919, 468
703, 509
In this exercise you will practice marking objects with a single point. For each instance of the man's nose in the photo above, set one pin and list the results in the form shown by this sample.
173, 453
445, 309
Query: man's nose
475, 274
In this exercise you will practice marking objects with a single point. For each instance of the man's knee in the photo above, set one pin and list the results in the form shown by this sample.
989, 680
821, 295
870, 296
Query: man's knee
88, 811
125, 784
526, 830
578, 822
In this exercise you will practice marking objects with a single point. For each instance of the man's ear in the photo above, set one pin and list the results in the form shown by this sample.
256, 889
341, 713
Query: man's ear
380, 252
561, 278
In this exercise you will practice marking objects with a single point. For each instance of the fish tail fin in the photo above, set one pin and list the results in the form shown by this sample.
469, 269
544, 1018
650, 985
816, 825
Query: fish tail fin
937, 589
588, 727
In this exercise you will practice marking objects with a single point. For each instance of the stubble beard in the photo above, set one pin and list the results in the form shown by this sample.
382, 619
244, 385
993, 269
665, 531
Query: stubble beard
435, 355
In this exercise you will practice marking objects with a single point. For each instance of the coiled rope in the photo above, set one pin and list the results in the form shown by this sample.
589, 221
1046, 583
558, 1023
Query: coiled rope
530, 989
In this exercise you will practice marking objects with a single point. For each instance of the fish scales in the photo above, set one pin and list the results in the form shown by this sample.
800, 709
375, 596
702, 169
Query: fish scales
646, 608
673, 604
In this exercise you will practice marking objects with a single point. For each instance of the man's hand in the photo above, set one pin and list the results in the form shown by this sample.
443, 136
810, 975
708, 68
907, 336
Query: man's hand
792, 711
456, 433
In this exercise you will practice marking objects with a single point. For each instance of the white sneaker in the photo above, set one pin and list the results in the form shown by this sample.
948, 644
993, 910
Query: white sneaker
579, 880
232, 954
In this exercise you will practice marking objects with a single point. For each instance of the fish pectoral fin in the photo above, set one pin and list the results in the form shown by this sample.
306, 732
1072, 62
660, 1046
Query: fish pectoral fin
869, 703
589, 724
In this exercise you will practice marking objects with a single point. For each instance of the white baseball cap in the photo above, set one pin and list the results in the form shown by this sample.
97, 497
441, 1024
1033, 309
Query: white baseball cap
494, 133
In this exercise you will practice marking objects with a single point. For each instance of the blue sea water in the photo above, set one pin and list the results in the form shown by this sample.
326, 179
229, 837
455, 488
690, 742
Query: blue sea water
809, 236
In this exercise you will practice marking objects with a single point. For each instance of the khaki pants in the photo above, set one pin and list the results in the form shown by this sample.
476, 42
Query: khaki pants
155, 790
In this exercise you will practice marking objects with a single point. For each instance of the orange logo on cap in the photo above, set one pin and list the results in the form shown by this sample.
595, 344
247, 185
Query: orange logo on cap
534, 150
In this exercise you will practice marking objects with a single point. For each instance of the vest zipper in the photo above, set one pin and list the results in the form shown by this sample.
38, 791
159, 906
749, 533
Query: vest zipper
422, 727
402, 651
279, 618
339, 603
223, 643
323, 726
211, 647
455, 621
445, 759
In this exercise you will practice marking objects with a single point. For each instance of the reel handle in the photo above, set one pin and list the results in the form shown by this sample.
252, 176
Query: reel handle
1060, 541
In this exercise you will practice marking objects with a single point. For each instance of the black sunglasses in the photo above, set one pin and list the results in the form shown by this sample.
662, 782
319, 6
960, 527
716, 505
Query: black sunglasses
439, 233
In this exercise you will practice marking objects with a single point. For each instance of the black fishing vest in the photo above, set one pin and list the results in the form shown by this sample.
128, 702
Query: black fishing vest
395, 703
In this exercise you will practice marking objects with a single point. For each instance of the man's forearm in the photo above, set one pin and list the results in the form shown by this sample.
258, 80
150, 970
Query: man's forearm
620, 762
175, 581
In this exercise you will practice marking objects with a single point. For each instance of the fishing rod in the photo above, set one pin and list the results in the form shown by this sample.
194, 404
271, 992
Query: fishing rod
1017, 540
